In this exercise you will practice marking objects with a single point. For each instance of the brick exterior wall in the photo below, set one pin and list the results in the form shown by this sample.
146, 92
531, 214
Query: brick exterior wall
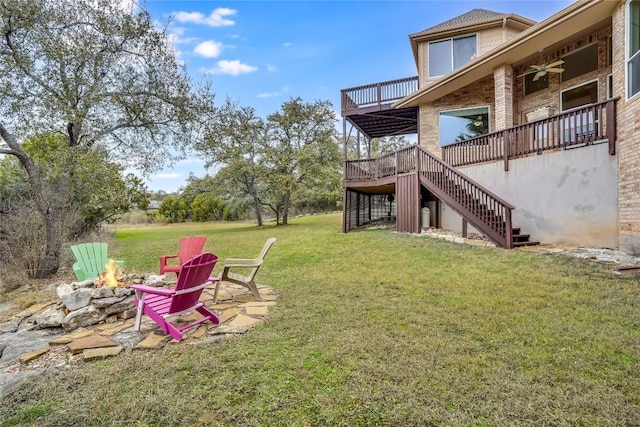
508, 107
551, 96
479, 94
503, 77
628, 146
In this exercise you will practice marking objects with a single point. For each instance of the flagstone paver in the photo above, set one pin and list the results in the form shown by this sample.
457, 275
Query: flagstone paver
242, 320
153, 341
101, 353
257, 311
229, 313
92, 341
66, 339
33, 355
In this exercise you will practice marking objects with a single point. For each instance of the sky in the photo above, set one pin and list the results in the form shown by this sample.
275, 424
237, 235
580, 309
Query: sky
263, 53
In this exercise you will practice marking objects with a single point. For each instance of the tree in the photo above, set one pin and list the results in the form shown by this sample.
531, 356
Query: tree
302, 146
237, 141
103, 77
99, 188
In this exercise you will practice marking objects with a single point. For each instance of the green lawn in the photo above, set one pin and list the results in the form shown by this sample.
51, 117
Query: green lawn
374, 328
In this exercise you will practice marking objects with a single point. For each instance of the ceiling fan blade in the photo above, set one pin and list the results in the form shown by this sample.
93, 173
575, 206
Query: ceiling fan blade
553, 64
538, 75
536, 67
555, 70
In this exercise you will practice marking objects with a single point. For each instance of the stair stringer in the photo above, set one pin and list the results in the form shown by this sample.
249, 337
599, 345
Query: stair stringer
474, 220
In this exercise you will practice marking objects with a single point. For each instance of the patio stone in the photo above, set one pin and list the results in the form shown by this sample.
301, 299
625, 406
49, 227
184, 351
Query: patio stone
257, 311
153, 342
33, 355
66, 339
101, 353
93, 341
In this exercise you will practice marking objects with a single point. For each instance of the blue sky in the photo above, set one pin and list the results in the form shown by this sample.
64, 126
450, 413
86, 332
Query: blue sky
262, 53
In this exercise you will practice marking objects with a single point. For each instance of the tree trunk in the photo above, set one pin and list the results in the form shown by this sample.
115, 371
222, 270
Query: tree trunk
285, 207
256, 206
53, 220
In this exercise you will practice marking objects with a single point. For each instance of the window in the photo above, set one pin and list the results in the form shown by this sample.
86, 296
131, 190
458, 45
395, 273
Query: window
633, 47
580, 62
450, 54
609, 86
579, 95
459, 125
531, 86
579, 127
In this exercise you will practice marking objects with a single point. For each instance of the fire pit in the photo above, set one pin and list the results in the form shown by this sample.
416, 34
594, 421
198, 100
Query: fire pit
105, 299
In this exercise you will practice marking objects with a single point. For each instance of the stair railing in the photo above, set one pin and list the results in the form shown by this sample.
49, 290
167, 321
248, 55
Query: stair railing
486, 211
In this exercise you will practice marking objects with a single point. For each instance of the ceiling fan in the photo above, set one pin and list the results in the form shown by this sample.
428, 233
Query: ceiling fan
543, 69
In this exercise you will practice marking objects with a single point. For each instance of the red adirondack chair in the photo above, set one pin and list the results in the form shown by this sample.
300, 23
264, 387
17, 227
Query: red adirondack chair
188, 247
161, 304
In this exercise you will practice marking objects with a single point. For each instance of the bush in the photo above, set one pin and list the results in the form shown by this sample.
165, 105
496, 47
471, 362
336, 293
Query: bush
135, 217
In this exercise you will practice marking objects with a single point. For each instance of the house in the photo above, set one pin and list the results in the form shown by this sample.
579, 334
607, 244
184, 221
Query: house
527, 132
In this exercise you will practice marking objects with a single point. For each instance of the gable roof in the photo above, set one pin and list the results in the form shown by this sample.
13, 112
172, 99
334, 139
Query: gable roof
471, 18
472, 21
577, 17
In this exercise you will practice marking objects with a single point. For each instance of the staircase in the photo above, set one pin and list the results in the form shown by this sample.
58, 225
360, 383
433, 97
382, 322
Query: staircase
485, 211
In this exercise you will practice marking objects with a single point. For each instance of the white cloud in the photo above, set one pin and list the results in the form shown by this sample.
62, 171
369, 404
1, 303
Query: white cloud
268, 94
208, 49
234, 68
287, 44
271, 68
274, 94
215, 19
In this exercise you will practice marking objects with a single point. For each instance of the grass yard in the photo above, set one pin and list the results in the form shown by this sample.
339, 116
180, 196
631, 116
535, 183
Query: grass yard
373, 328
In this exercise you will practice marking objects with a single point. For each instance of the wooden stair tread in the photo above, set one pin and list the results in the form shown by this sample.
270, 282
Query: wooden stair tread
520, 244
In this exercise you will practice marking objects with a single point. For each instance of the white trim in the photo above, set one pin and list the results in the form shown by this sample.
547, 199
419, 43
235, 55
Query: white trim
462, 36
627, 59
488, 107
609, 87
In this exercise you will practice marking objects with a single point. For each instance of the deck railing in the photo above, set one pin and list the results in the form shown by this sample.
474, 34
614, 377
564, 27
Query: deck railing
589, 124
377, 94
483, 209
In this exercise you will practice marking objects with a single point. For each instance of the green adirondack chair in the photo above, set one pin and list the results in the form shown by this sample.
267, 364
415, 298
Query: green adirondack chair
91, 259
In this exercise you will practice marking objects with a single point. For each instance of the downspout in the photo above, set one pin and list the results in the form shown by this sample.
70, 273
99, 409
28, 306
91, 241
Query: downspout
504, 29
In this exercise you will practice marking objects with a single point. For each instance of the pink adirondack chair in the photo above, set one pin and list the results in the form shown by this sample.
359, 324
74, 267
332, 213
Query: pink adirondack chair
188, 247
161, 304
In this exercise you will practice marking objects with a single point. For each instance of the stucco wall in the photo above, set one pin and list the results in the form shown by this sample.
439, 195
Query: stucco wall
565, 197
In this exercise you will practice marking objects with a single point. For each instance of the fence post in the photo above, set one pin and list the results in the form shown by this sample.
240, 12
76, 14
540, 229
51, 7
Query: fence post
611, 125
505, 149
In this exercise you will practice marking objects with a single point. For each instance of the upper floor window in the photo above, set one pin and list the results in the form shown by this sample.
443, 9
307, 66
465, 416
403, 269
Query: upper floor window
580, 62
449, 54
633, 47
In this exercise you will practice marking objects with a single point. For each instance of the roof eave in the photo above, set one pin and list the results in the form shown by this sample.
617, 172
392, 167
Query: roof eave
581, 14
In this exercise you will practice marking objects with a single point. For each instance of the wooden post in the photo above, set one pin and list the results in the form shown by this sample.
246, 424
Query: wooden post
611, 126
464, 228
505, 153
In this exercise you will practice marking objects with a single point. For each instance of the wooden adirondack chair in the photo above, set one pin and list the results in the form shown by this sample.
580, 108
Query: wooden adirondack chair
91, 259
252, 265
188, 247
161, 304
